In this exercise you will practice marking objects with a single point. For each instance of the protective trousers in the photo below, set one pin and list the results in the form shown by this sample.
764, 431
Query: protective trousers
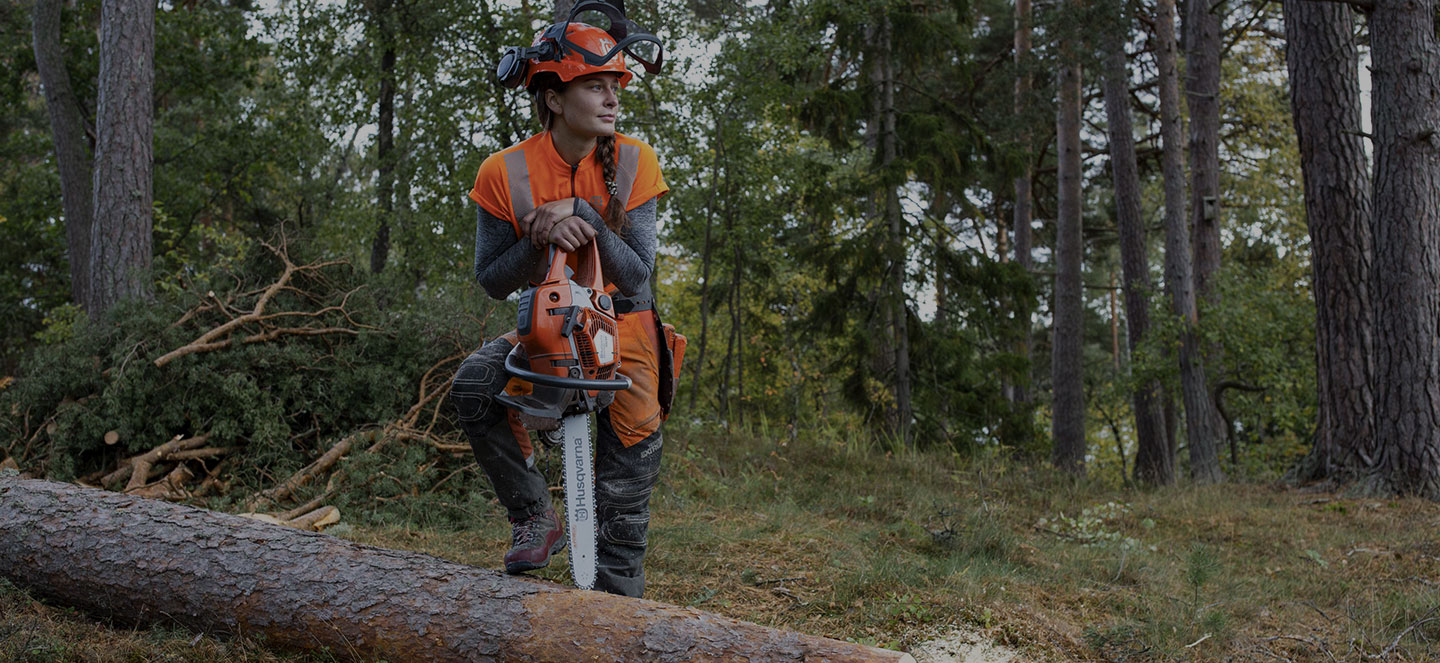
624, 476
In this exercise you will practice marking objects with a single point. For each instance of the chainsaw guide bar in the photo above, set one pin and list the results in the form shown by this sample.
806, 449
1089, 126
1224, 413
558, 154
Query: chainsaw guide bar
580, 520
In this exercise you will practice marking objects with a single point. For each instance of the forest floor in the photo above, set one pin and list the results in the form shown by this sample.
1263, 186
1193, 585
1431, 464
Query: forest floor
955, 559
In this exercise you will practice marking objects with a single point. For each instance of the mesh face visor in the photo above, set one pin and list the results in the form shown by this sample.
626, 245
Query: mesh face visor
629, 37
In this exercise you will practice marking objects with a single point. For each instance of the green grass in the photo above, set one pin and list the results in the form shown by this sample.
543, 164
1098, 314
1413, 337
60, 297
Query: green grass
894, 548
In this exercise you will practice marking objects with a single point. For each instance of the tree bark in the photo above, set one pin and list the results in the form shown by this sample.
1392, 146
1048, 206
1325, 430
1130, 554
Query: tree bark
737, 321
1154, 464
895, 250
138, 561
730, 302
67, 127
1202, 96
1020, 393
1406, 269
1201, 420
1066, 367
1323, 62
699, 363
120, 241
383, 15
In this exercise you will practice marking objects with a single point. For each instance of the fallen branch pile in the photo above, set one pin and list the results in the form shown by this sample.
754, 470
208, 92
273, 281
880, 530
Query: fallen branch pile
309, 364
264, 325
171, 470
404, 428
162, 472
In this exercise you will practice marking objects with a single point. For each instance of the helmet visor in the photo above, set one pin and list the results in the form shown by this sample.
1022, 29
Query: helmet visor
629, 37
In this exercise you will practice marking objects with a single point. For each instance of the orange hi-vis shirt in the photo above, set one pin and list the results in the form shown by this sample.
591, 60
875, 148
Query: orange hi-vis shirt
534, 165
516, 180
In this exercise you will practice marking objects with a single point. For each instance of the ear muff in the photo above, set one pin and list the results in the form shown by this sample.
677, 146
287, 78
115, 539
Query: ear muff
511, 68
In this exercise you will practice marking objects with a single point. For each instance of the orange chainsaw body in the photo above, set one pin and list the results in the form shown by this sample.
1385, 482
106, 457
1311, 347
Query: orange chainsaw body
569, 347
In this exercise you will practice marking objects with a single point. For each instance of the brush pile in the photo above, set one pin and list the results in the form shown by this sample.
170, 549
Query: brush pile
287, 388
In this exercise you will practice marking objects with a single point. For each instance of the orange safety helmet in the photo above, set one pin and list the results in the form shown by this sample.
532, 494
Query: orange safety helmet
597, 42
573, 64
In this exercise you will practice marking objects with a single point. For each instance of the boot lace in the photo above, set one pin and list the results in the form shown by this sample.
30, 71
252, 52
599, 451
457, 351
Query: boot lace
525, 531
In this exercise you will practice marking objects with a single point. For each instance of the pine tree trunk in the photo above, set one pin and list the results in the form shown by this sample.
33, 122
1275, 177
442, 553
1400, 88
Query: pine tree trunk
1021, 226
733, 338
138, 562
737, 322
383, 15
1201, 420
896, 254
1202, 96
1406, 274
1154, 465
120, 242
1323, 61
67, 126
1066, 364
705, 262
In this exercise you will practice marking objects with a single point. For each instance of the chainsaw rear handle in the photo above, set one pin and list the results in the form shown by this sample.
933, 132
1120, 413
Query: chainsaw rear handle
522, 371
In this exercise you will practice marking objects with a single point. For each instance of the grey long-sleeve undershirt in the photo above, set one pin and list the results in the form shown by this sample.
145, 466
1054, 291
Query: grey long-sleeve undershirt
505, 263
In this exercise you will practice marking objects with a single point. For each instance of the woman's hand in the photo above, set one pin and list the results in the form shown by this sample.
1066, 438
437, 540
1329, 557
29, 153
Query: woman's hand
571, 233
538, 223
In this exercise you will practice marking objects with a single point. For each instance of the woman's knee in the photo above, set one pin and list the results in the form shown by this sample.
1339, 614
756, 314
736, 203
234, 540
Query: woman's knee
626, 530
479, 379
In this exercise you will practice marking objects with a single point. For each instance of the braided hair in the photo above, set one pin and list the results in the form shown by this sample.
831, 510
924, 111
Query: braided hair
605, 154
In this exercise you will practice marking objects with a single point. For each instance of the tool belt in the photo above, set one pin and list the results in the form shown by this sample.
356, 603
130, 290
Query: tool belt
641, 302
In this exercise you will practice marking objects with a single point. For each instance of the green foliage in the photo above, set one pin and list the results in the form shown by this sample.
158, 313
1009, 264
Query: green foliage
776, 260
1093, 526
1273, 406
283, 401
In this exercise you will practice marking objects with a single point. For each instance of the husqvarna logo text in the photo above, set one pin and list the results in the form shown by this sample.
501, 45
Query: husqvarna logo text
581, 500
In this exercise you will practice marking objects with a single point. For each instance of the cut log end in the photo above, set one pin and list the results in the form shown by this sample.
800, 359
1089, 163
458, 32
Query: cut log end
111, 438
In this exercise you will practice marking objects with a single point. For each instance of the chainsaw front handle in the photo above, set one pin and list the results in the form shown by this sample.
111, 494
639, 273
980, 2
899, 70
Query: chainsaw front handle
587, 271
514, 366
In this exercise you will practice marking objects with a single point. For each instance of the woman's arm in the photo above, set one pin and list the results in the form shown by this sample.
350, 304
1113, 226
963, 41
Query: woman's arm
628, 258
503, 264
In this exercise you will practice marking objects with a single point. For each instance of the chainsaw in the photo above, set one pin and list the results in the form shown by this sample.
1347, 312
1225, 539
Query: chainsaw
569, 354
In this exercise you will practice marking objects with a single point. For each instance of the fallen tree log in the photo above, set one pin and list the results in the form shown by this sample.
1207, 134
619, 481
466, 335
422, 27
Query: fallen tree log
138, 562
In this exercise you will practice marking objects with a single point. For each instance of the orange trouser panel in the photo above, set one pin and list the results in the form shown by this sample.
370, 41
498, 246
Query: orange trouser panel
635, 414
517, 386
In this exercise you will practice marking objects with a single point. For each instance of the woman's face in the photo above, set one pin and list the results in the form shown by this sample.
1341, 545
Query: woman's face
588, 106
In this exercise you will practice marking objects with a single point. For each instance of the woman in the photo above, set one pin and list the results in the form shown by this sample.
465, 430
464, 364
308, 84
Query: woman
576, 182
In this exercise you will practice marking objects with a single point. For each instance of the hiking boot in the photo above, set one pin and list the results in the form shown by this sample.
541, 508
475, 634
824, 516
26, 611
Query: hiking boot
534, 540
